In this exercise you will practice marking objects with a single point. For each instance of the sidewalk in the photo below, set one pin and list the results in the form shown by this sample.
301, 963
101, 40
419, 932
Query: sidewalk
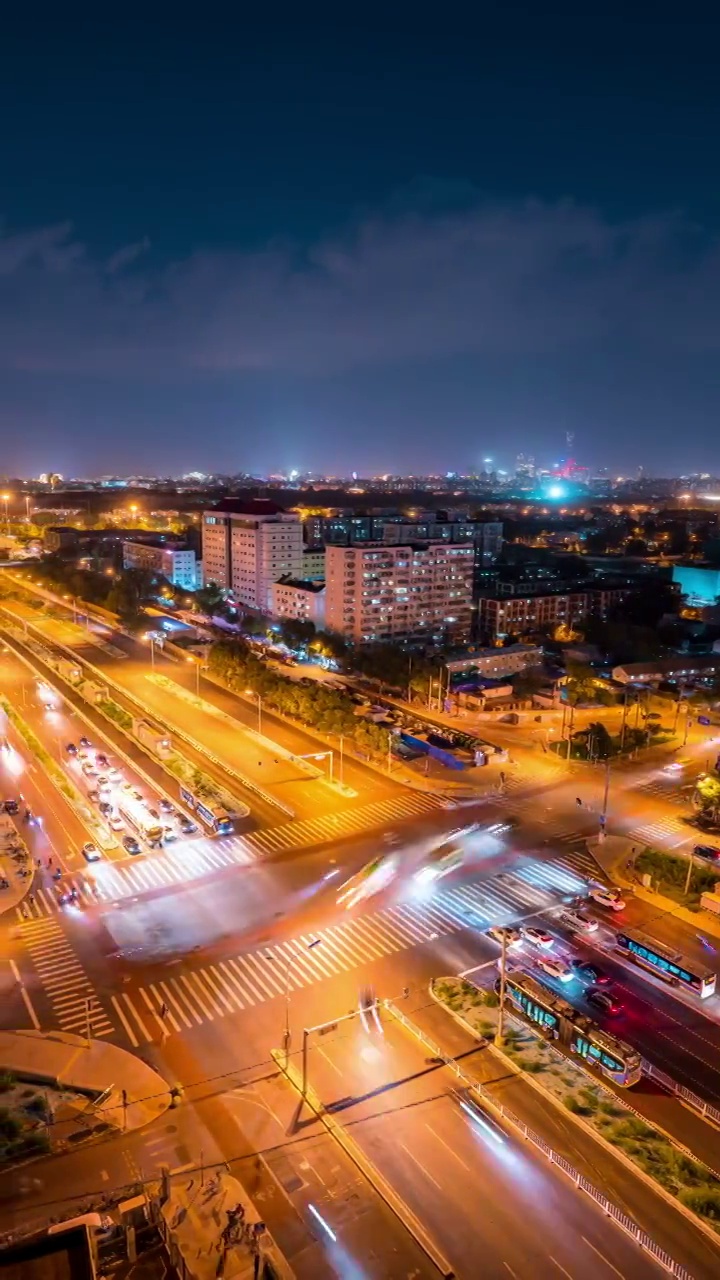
614, 854
60, 1058
19, 886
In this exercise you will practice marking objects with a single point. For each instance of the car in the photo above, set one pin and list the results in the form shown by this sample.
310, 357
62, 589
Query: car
90, 852
116, 823
114, 774
85, 742
169, 834
708, 851
555, 968
676, 765
48, 705
82, 754
606, 897
71, 749
89, 769
589, 971
101, 760
166, 805
11, 806
603, 1001
153, 813
537, 937
131, 790
105, 808
131, 845
188, 827
103, 784
499, 931
578, 921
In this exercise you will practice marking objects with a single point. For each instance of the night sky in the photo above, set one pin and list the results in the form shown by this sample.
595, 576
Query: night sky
379, 245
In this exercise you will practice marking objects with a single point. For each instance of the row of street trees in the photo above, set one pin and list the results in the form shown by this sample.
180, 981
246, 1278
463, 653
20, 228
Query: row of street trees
319, 706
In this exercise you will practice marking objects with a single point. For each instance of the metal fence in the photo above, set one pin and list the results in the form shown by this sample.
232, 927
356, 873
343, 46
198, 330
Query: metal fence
707, 1111
623, 1221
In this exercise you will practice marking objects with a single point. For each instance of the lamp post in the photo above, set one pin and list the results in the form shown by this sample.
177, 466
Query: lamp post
287, 1035
6, 499
152, 652
501, 1007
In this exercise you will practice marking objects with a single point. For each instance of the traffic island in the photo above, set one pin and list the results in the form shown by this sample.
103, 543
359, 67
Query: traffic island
626, 863
114, 1090
17, 869
655, 1156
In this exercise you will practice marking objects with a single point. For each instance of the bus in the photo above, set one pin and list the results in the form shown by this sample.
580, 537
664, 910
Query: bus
374, 877
536, 1003
214, 817
666, 963
137, 816
444, 858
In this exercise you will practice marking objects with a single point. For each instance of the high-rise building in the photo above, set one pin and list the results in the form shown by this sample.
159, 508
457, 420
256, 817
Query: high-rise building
170, 560
248, 544
413, 591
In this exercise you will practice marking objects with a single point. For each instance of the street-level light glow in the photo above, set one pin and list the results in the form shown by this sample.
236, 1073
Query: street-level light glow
483, 1124
322, 1222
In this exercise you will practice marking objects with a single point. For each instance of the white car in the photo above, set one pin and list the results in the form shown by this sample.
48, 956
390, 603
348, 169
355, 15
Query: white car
90, 852
555, 968
114, 774
537, 937
513, 937
607, 897
116, 823
577, 920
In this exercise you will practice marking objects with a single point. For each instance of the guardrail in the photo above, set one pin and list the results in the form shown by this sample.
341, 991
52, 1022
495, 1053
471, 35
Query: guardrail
622, 1219
187, 738
691, 1099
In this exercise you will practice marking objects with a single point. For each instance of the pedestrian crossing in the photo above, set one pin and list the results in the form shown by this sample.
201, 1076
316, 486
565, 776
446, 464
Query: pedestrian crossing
70, 993
668, 831
176, 1004
665, 790
113, 881
298, 835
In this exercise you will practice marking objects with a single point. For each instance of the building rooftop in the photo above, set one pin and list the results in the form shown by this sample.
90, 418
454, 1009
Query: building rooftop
303, 584
248, 507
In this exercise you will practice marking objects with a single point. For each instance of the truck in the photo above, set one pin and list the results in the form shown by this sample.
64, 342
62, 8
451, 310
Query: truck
155, 739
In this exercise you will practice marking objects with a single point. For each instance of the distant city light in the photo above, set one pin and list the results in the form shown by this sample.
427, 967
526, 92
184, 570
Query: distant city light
556, 491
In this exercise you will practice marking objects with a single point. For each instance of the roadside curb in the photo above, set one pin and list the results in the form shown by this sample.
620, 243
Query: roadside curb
369, 1171
593, 1133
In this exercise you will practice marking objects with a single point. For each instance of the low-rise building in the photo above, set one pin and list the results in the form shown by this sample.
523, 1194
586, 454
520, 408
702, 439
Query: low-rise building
300, 599
497, 663
520, 615
685, 669
170, 560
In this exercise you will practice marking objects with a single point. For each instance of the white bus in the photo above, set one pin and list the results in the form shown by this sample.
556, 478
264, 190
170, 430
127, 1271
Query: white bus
136, 815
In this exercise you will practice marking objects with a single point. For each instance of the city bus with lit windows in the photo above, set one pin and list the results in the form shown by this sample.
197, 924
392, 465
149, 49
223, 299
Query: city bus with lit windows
666, 963
214, 817
135, 814
558, 1020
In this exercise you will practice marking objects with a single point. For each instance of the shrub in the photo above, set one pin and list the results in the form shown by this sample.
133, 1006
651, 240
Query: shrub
7, 1081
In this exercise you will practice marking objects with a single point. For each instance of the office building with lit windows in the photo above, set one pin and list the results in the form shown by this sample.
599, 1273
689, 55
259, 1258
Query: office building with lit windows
249, 544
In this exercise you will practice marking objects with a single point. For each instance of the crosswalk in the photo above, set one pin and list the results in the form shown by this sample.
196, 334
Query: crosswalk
668, 831
297, 835
666, 791
113, 881
70, 993
191, 998
188, 860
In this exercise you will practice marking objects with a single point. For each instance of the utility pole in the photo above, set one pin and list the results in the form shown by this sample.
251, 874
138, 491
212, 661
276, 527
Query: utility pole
342, 758
501, 1007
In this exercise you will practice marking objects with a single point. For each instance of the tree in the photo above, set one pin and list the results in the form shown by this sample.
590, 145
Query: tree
600, 743
580, 684
707, 796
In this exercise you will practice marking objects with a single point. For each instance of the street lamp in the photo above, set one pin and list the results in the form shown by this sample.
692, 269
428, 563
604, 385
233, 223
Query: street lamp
6, 499
252, 693
196, 663
314, 942
152, 651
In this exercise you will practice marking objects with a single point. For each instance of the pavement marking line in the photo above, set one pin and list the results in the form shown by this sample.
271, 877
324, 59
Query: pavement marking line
193, 983
319, 960
136, 1016
174, 1001
153, 1011
241, 982
170, 1016
421, 1167
284, 977
370, 939
512, 1273
231, 1001
28, 1005
128, 1031
185, 999
448, 1147
242, 998
249, 960
104, 1175
560, 1267
604, 1259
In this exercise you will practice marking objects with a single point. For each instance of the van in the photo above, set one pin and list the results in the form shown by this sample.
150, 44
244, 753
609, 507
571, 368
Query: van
93, 1221
577, 921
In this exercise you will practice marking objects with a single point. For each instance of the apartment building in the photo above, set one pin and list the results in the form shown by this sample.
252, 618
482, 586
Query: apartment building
174, 562
248, 544
302, 600
516, 615
410, 592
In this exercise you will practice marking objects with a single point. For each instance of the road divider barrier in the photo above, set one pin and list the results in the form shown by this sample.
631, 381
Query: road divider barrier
623, 1220
104, 679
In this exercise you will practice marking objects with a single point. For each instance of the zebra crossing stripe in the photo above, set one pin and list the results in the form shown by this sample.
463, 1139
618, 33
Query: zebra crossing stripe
128, 1029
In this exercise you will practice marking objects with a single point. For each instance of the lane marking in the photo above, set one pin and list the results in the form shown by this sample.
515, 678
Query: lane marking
560, 1267
604, 1259
448, 1148
130, 1033
29, 1007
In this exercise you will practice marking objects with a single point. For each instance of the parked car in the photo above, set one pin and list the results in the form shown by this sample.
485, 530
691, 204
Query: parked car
116, 823
188, 827
71, 749
131, 845
603, 1001
605, 897
90, 852
166, 805
537, 937
101, 760
85, 742
589, 971
105, 808
555, 968
708, 851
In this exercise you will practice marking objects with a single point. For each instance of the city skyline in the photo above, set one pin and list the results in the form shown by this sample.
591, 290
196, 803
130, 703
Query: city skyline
372, 255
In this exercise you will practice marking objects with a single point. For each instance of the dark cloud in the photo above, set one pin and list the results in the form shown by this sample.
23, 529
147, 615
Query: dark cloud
522, 279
